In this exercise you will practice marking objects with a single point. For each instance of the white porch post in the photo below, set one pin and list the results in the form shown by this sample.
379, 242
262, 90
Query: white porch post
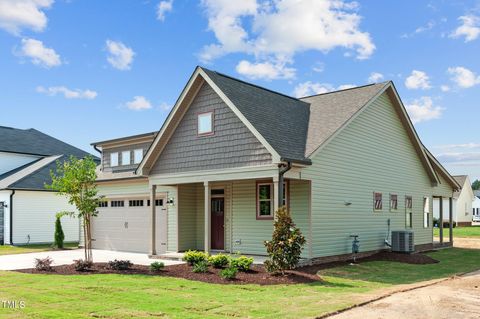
153, 250
276, 194
208, 223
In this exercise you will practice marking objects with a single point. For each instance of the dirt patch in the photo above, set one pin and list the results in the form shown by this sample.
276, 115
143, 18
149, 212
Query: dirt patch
415, 259
471, 243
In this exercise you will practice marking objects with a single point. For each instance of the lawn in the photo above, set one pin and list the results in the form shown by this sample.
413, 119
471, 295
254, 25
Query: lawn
10, 250
465, 232
126, 296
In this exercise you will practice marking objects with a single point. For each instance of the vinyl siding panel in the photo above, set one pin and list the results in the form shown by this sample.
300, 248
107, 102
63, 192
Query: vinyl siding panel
372, 154
231, 145
187, 221
34, 217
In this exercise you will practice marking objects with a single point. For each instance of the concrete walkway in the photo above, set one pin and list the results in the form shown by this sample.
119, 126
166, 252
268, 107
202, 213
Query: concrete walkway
64, 257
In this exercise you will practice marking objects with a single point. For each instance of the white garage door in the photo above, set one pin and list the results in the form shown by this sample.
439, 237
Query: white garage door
124, 225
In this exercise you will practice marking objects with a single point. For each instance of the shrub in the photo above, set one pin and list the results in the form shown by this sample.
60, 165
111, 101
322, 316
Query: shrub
43, 264
219, 261
157, 266
200, 267
229, 273
82, 265
193, 257
120, 264
286, 245
59, 236
241, 263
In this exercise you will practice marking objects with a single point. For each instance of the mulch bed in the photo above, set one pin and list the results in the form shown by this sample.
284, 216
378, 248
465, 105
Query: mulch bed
257, 275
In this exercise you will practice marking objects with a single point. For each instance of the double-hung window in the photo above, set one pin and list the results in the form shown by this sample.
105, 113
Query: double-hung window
377, 201
426, 212
264, 201
393, 202
408, 211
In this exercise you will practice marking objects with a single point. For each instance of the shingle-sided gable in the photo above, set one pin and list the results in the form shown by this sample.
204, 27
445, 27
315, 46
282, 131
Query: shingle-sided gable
231, 145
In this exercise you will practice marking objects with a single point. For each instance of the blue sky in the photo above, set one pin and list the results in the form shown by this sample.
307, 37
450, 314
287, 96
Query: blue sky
84, 70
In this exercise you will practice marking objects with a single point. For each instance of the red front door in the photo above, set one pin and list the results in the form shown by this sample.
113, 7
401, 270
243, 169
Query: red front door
218, 221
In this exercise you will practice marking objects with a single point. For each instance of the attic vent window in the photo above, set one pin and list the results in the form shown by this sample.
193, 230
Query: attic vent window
205, 123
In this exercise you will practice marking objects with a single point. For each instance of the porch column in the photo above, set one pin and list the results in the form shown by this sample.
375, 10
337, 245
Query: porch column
153, 250
276, 195
441, 219
450, 219
208, 223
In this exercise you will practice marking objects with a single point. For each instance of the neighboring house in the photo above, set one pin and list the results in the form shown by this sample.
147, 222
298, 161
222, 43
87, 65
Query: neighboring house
27, 209
462, 204
476, 207
230, 153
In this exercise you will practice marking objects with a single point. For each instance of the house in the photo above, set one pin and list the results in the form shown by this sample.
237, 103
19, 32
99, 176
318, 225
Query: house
476, 207
230, 153
462, 203
27, 209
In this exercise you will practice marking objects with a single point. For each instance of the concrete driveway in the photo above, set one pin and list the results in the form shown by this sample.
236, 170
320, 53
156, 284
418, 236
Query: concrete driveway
64, 257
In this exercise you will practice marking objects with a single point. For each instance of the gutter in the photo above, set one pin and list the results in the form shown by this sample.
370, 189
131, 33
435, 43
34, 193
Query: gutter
11, 216
303, 162
282, 169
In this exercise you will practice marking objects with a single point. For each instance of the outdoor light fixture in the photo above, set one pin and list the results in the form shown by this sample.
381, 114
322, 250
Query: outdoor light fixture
170, 201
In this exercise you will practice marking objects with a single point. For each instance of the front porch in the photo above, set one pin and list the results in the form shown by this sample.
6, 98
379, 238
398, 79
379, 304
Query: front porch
229, 216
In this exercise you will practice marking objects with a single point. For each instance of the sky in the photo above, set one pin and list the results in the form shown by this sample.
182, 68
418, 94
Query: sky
84, 70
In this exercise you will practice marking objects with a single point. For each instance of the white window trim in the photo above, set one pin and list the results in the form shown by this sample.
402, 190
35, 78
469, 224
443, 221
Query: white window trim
112, 155
264, 200
426, 212
129, 158
137, 160
205, 114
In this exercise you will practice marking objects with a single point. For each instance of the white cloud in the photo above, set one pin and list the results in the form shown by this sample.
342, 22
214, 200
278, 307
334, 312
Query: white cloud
319, 67
445, 88
165, 106
68, 93
423, 109
418, 80
375, 77
311, 88
265, 70
463, 77
429, 26
139, 103
164, 7
469, 28
120, 56
16, 15
39, 54
275, 31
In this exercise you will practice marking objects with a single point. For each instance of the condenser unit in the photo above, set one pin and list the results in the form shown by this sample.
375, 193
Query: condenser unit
402, 241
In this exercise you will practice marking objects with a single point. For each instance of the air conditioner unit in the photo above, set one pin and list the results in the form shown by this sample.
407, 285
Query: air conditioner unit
402, 241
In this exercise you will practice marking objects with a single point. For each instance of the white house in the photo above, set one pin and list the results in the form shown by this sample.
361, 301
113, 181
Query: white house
27, 209
476, 207
462, 204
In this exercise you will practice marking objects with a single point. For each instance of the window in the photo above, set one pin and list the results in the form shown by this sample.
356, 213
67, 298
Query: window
426, 212
377, 201
135, 203
408, 211
117, 203
264, 201
103, 203
114, 159
126, 158
393, 202
158, 202
285, 194
205, 123
137, 156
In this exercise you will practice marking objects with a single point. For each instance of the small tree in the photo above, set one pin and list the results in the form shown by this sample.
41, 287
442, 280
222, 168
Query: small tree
59, 235
476, 185
286, 245
75, 179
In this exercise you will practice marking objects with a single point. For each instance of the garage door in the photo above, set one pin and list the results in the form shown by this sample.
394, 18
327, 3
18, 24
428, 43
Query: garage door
124, 225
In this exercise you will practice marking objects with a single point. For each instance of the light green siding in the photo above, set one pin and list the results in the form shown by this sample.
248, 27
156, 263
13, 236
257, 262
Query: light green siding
187, 211
372, 154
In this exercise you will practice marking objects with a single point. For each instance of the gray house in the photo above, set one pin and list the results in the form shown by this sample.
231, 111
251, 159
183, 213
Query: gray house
230, 153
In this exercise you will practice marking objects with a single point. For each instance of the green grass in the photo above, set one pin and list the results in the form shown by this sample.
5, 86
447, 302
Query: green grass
464, 232
126, 296
10, 250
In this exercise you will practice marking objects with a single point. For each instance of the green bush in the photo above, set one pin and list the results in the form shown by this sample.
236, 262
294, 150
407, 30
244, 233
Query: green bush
219, 261
59, 235
120, 264
286, 245
157, 266
193, 257
241, 263
229, 273
201, 266
82, 265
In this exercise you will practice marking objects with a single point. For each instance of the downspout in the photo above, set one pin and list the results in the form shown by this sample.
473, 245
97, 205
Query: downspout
11, 216
282, 170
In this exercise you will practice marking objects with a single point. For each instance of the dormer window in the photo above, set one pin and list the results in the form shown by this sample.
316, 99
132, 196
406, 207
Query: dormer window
205, 123
126, 158
113, 159
137, 156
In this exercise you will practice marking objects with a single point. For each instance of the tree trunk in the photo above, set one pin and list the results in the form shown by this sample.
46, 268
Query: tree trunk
84, 226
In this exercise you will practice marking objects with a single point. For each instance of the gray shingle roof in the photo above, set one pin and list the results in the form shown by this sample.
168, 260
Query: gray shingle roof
282, 120
330, 111
31, 141
460, 179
